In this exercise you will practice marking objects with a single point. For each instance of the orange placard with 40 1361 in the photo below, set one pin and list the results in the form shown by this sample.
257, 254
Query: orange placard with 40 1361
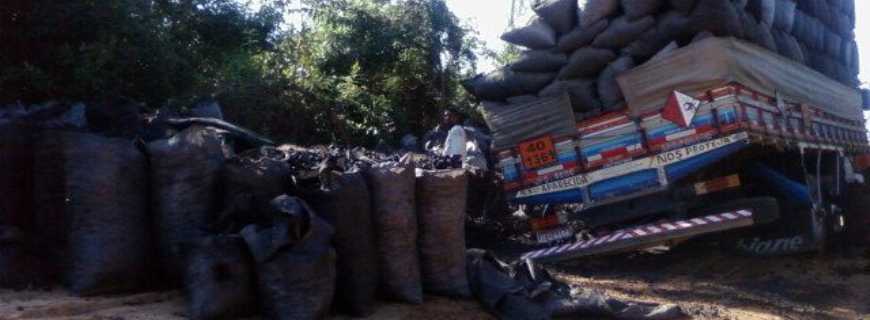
538, 153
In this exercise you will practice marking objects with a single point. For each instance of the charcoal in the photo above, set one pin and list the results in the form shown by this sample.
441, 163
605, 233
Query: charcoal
675, 26
784, 15
503, 83
682, 6
608, 89
559, 14
581, 36
16, 177
394, 215
763, 10
295, 261
441, 203
586, 62
536, 35
597, 10
115, 119
22, 265
250, 180
541, 61
185, 188
716, 16
636, 9
219, 279
343, 200
622, 31
92, 211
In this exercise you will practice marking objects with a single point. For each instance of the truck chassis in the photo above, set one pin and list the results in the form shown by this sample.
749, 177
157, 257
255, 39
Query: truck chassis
748, 148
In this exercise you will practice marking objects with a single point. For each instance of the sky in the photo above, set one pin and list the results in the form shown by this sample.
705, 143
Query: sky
490, 18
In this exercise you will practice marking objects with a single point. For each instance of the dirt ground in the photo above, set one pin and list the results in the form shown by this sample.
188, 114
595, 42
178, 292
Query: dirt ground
57, 304
706, 283
709, 284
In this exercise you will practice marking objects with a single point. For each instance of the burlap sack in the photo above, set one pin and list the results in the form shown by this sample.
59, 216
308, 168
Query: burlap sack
581, 36
536, 35
586, 62
622, 31
559, 14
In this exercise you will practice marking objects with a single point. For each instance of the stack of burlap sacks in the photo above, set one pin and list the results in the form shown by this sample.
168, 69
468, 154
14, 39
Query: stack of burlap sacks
579, 49
245, 228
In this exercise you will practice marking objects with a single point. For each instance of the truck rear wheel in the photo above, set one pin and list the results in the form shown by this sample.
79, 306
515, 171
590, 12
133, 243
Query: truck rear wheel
799, 230
858, 214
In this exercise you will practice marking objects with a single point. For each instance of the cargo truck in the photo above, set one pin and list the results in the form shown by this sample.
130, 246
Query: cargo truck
719, 137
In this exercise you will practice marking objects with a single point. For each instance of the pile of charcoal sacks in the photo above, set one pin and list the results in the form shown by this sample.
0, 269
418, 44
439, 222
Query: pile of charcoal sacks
578, 47
106, 200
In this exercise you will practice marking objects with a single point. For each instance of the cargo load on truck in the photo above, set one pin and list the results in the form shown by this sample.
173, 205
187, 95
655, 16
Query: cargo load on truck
753, 107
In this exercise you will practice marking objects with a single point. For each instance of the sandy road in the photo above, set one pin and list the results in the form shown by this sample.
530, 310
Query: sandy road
707, 283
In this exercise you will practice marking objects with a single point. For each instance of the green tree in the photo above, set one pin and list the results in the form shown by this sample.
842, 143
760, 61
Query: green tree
381, 68
353, 71
149, 51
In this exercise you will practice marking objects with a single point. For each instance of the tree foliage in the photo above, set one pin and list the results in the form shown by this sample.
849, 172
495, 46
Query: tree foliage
353, 71
381, 68
148, 51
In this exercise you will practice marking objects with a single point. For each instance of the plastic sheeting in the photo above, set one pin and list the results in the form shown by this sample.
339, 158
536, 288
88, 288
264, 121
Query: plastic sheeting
512, 124
523, 290
719, 61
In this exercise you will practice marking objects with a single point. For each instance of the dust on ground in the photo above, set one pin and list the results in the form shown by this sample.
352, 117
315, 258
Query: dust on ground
57, 304
711, 284
706, 282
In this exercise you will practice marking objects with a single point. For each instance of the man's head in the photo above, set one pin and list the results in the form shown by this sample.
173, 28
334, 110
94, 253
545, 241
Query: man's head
450, 118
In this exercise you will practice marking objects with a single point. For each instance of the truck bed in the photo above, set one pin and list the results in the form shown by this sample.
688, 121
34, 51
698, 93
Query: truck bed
732, 117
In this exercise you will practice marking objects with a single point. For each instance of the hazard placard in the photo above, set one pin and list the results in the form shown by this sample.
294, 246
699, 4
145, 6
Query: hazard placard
538, 153
681, 108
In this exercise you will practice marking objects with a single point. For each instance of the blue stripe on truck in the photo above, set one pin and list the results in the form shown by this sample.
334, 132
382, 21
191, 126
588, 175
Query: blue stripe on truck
624, 184
595, 149
683, 168
567, 196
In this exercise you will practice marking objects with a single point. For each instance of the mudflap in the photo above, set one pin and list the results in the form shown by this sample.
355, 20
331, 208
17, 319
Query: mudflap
799, 230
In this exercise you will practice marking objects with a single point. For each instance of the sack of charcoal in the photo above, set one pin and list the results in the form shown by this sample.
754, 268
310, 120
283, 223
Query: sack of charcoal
295, 261
185, 176
441, 203
343, 200
395, 224
92, 211
219, 280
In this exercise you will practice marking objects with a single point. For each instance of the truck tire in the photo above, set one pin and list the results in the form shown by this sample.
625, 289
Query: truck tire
858, 214
799, 230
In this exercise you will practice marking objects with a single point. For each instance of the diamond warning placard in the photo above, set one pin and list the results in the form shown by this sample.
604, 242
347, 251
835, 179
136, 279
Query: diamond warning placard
681, 108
